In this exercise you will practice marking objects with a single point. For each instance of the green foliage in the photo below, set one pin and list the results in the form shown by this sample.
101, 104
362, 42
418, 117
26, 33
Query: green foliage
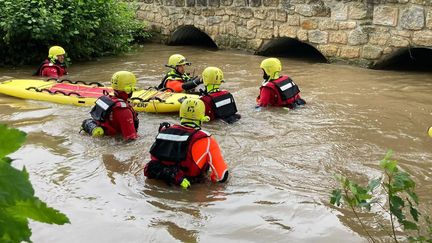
401, 203
17, 200
85, 29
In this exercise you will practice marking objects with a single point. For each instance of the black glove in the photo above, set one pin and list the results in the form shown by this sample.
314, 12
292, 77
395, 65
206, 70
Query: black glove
191, 84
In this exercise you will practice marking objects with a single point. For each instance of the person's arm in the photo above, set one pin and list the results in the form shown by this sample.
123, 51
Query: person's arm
50, 72
207, 150
175, 85
125, 119
265, 96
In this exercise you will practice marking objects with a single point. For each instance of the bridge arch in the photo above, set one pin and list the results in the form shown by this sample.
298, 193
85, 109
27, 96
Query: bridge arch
290, 47
407, 59
191, 35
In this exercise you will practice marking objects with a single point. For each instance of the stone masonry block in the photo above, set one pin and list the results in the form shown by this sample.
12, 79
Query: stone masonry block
338, 37
328, 24
423, 38
371, 52
413, 18
259, 13
201, 3
285, 30
302, 35
309, 24
255, 3
357, 37
318, 36
379, 38
179, 3
385, 15
270, 3
245, 13
214, 3
340, 12
349, 52
429, 19
293, 20
357, 10
347, 25
398, 41
328, 50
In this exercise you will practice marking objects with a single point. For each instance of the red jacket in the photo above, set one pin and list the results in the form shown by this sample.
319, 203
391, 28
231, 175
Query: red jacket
121, 120
278, 92
52, 70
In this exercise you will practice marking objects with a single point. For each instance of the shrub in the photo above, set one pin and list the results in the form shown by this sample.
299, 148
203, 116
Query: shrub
86, 29
401, 203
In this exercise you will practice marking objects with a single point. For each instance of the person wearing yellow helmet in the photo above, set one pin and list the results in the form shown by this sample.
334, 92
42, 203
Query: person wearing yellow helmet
177, 80
218, 103
184, 153
277, 89
54, 66
113, 115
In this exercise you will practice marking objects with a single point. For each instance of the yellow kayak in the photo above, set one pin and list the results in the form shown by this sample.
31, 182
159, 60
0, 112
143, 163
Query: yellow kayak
85, 94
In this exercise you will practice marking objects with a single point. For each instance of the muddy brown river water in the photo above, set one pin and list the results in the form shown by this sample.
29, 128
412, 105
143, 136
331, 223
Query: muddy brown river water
281, 162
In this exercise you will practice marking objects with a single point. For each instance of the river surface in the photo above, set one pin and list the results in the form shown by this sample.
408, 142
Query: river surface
281, 162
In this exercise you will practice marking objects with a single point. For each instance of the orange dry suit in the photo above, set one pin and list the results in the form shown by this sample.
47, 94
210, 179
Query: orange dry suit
185, 152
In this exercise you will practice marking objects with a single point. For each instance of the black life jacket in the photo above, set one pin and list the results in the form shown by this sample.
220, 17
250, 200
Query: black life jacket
286, 87
172, 144
104, 106
223, 104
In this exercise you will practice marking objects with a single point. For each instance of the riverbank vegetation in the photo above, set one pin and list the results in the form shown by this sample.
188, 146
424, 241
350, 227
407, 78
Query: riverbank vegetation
396, 205
86, 29
17, 200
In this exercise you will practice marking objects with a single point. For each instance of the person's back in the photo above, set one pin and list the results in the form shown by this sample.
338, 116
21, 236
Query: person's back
219, 104
114, 115
54, 66
277, 90
177, 80
184, 153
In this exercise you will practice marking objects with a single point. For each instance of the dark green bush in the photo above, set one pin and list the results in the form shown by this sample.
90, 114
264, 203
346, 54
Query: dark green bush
85, 29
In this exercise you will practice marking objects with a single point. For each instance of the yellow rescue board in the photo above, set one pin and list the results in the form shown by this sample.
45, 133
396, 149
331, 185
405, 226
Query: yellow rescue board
80, 94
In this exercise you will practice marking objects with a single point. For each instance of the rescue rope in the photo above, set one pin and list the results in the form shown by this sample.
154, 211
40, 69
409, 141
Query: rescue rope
53, 92
77, 82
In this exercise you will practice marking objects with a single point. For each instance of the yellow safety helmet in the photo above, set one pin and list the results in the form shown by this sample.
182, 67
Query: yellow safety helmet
193, 110
177, 60
212, 76
55, 51
430, 131
272, 67
124, 81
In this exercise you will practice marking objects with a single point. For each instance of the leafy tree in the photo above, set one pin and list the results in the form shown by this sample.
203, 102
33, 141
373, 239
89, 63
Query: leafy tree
401, 201
17, 200
85, 29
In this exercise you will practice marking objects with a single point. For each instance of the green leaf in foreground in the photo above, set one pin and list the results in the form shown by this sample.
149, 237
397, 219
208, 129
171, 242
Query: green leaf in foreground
10, 140
17, 200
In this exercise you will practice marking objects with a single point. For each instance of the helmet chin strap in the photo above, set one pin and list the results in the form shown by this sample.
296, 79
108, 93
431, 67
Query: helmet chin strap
191, 123
212, 88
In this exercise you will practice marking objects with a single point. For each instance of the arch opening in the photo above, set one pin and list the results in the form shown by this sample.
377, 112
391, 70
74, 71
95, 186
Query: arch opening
291, 48
190, 35
408, 59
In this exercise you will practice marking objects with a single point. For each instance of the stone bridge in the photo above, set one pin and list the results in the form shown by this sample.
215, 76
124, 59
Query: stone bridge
368, 33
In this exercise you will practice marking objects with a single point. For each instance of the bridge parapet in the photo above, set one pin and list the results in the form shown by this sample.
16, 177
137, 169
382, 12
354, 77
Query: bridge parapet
360, 32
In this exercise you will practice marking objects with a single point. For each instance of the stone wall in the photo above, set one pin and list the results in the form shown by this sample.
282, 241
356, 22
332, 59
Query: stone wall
361, 32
